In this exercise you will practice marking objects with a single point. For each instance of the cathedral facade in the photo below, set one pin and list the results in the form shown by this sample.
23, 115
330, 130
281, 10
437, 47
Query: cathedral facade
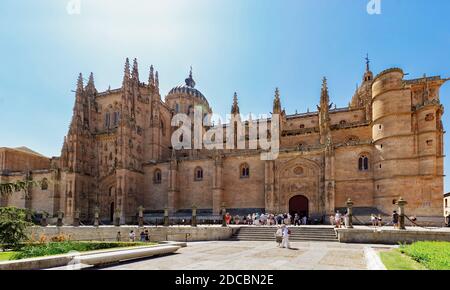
118, 154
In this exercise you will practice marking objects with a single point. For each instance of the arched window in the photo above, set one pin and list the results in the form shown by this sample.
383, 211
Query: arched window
342, 122
157, 176
302, 126
245, 170
107, 120
177, 108
198, 174
363, 163
44, 184
116, 118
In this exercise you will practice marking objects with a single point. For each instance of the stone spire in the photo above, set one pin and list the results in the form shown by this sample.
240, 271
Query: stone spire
151, 78
368, 75
80, 83
135, 72
157, 79
324, 96
126, 74
324, 118
277, 102
190, 80
90, 87
235, 107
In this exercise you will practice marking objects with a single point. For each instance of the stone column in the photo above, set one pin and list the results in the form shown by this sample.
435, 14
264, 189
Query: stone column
217, 187
269, 186
172, 193
223, 212
350, 213
194, 216
141, 216
117, 217
401, 212
166, 217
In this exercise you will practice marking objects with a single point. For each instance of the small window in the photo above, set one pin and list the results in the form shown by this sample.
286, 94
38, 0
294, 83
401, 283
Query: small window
302, 126
44, 184
363, 163
198, 174
342, 122
245, 170
157, 176
394, 201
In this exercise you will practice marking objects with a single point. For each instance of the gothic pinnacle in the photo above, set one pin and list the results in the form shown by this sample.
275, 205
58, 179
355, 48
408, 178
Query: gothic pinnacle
157, 79
127, 68
80, 83
135, 73
151, 78
235, 107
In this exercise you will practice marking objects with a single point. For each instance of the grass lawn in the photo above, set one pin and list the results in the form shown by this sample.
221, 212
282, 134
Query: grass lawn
419, 255
57, 248
433, 255
395, 260
5, 256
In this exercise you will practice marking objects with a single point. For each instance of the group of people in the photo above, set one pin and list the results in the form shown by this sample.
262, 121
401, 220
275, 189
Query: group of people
267, 219
144, 236
339, 219
282, 236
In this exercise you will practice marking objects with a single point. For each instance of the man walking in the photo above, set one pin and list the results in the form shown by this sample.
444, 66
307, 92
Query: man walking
285, 241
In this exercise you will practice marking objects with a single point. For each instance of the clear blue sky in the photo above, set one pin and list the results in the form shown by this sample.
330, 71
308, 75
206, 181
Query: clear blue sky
248, 46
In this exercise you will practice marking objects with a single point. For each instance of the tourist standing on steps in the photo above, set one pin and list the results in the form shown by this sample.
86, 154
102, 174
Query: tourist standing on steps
379, 220
337, 219
373, 220
332, 219
279, 236
285, 241
118, 237
305, 220
296, 220
395, 219
146, 236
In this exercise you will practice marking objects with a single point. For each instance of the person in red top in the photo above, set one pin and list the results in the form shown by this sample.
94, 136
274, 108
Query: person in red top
228, 218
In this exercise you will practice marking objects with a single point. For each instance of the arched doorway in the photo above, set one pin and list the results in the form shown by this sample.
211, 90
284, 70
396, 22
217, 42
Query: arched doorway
298, 205
111, 212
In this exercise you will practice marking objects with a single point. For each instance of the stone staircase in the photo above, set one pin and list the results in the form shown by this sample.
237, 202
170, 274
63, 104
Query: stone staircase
302, 233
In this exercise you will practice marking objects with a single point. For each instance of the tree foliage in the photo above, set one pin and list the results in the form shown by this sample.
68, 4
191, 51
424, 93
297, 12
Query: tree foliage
13, 226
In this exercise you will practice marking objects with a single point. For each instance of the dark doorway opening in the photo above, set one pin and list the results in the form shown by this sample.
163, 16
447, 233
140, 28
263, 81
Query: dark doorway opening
299, 205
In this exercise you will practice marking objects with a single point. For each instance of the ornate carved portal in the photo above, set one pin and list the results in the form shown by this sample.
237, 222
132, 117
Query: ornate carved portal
299, 177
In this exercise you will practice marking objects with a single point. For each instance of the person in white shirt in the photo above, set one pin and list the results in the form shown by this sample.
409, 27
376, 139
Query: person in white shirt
285, 241
337, 219
279, 236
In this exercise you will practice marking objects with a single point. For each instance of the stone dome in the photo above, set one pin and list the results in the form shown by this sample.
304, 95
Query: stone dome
188, 88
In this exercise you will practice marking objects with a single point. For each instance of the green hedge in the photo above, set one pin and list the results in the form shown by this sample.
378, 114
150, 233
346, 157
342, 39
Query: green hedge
433, 255
55, 248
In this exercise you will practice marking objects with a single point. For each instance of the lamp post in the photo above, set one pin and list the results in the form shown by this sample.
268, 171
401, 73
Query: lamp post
401, 212
350, 213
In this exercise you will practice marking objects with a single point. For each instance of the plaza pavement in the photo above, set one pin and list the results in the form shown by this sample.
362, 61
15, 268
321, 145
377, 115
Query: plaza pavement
250, 255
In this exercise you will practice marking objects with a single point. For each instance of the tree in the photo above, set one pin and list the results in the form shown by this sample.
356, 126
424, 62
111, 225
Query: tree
13, 226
